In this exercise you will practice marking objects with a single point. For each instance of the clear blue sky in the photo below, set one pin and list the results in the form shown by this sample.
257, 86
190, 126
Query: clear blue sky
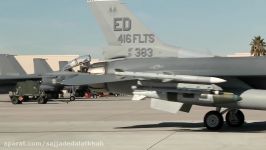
68, 27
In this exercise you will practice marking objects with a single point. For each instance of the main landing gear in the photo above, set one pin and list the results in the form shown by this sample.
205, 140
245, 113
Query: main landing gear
213, 120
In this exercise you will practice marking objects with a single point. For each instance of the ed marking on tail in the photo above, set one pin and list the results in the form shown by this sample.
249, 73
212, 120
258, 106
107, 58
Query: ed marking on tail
125, 25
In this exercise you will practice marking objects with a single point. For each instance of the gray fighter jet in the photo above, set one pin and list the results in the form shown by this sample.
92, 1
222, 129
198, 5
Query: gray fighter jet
11, 73
51, 80
173, 83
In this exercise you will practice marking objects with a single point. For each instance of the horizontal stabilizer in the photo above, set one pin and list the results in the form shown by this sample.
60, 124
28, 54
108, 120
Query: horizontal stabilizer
167, 106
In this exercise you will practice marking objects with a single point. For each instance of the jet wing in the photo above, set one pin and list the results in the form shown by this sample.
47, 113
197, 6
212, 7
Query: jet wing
26, 77
90, 79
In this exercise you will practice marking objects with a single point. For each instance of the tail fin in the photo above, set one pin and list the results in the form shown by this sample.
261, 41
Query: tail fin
62, 64
41, 67
125, 34
9, 66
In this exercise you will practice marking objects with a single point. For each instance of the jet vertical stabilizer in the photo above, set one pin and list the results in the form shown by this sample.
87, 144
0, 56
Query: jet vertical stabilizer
9, 66
125, 33
62, 64
41, 67
127, 36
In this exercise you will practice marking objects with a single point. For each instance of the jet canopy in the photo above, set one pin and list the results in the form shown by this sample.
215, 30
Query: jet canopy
80, 61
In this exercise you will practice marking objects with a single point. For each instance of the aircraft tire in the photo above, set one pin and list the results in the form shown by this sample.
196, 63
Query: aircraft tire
235, 118
213, 120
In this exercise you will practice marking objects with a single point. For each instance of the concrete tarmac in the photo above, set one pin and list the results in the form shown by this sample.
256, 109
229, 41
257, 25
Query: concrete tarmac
120, 124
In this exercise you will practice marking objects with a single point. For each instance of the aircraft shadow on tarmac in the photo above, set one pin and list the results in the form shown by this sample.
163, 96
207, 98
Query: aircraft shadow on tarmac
252, 127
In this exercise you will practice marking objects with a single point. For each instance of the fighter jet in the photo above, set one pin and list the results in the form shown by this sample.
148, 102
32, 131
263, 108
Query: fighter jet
173, 83
51, 80
11, 73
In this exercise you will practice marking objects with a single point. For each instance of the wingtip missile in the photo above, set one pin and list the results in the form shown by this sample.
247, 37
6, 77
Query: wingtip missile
216, 80
164, 77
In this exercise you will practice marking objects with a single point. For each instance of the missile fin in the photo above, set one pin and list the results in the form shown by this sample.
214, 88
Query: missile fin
167, 106
186, 108
138, 97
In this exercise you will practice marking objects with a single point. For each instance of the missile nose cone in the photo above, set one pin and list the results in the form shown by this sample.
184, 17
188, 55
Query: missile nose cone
216, 80
237, 98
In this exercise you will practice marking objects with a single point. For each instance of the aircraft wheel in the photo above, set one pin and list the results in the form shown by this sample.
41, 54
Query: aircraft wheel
235, 118
213, 120
42, 100
72, 98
